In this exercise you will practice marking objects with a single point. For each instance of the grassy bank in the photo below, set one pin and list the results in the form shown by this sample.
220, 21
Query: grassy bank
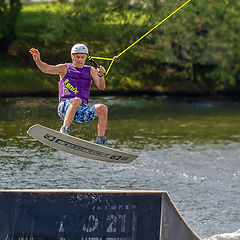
18, 73
189, 54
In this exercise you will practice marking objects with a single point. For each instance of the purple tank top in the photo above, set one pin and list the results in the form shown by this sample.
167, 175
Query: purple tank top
76, 83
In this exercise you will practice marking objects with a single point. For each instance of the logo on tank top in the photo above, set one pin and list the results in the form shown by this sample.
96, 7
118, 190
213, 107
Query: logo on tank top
70, 86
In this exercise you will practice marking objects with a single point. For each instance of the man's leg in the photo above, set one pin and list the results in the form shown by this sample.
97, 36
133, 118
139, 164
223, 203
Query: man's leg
76, 102
69, 116
101, 111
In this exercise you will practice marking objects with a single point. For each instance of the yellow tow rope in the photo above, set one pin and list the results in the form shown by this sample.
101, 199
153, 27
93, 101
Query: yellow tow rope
116, 57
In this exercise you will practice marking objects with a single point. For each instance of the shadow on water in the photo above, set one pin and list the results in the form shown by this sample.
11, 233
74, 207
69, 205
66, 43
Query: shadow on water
135, 123
189, 148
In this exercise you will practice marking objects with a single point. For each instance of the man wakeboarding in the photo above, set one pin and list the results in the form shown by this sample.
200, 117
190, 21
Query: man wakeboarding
74, 90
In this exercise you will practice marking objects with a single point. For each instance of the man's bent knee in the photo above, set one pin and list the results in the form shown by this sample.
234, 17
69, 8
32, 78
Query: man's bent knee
101, 109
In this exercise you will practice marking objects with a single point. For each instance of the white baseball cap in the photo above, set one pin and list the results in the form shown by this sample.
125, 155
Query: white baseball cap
79, 48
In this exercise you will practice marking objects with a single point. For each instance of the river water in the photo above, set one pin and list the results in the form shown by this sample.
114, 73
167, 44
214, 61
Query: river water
188, 147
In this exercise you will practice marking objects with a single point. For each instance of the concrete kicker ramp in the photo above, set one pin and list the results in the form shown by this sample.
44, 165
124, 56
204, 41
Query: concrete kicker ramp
90, 215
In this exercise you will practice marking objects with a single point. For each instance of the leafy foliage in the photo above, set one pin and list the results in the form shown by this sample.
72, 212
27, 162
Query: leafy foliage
195, 51
8, 15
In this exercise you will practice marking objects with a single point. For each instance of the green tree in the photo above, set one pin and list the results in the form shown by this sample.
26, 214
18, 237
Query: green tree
196, 48
8, 15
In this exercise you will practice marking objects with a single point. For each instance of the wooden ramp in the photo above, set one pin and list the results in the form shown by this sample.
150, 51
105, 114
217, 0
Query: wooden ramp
90, 215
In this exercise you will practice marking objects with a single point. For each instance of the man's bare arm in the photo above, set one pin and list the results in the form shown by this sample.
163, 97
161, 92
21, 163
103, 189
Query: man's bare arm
96, 77
59, 69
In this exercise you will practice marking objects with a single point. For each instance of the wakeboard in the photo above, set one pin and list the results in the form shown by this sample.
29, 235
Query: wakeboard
77, 146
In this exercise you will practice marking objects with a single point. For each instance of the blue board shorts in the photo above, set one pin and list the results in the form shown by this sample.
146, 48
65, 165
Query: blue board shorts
83, 114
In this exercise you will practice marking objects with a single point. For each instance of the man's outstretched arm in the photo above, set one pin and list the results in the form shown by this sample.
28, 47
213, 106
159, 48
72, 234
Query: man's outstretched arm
59, 69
